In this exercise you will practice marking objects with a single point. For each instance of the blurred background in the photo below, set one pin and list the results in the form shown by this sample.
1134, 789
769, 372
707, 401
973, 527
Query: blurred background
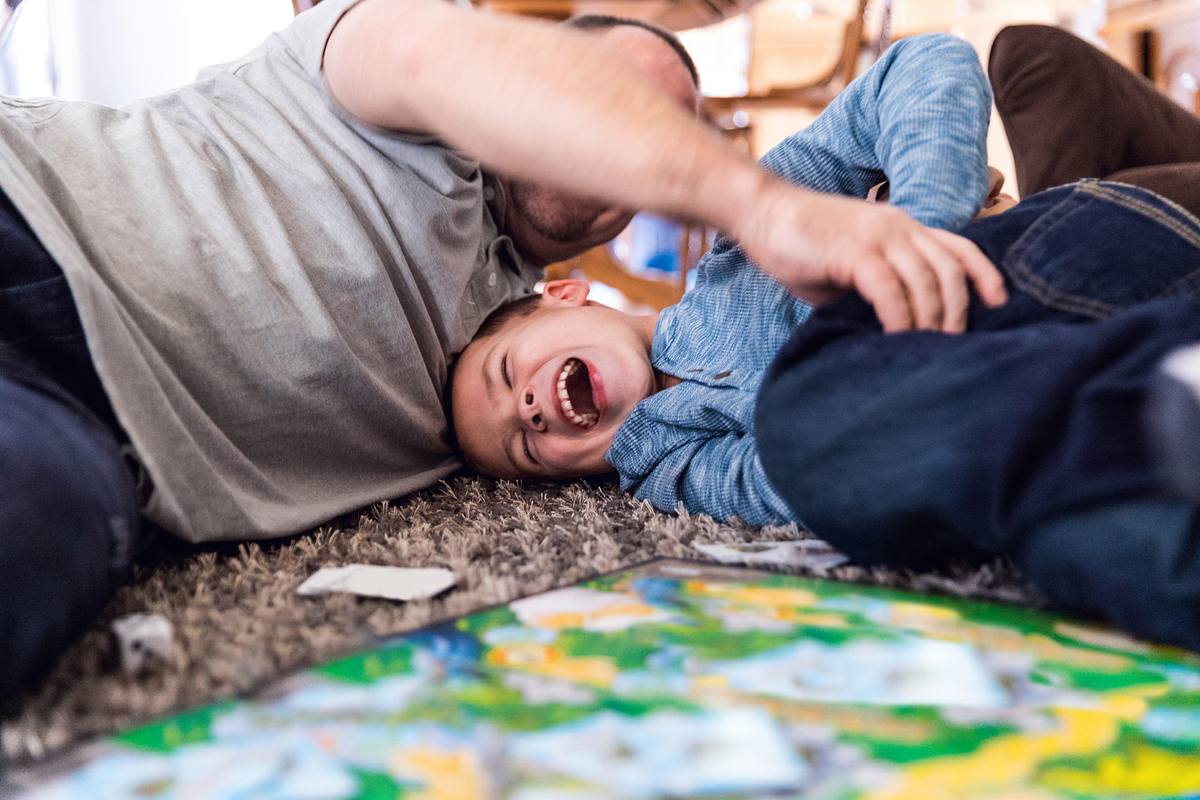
767, 67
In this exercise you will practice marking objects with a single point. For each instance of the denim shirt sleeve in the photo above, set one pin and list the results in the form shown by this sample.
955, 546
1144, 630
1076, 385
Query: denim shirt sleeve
720, 476
692, 446
919, 118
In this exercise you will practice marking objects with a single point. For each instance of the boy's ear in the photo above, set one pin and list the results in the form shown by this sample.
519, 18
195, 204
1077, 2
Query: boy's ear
565, 292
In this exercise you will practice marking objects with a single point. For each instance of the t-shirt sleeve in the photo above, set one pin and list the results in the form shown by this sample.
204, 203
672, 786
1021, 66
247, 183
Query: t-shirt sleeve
307, 35
305, 39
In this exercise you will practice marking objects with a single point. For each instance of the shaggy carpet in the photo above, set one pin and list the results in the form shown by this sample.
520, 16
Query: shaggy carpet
239, 622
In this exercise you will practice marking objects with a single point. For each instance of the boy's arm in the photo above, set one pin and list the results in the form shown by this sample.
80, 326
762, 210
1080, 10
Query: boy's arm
919, 118
720, 476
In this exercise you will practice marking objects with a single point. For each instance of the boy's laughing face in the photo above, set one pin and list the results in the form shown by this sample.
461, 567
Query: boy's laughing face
544, 395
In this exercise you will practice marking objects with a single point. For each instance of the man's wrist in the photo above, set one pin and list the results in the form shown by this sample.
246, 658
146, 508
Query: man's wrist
728, 197
756, 201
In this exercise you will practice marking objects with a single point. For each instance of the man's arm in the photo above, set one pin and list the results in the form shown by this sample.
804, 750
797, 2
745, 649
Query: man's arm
918, 118
536, 102
560, 107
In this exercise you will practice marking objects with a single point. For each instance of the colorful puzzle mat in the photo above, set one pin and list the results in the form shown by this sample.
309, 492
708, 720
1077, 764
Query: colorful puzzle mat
678, 680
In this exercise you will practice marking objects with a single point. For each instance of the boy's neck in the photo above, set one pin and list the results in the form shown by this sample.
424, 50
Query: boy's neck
646, 326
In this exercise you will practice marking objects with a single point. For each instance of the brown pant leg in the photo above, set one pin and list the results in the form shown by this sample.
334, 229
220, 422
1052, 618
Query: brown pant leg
1072, 112
1178, 182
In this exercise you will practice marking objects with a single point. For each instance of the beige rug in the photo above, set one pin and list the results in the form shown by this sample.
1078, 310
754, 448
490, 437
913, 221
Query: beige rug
239, 622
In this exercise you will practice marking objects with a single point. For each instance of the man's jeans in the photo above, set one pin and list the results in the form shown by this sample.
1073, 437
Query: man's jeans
1023, 436
68, 516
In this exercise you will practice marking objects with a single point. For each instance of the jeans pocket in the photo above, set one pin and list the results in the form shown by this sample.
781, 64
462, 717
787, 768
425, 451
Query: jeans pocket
1105, 247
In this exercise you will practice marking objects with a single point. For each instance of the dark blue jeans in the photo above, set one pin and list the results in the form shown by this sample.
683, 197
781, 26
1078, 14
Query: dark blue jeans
68, 509
1022, 437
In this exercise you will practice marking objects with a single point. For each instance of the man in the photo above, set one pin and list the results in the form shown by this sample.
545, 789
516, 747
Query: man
249, 288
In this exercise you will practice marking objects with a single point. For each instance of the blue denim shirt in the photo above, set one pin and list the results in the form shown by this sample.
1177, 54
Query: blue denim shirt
918, 118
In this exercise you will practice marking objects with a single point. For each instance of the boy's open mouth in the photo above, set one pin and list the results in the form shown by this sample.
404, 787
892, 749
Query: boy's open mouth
575, 399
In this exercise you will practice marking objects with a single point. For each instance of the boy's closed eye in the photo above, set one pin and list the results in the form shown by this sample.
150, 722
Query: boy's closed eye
543, 391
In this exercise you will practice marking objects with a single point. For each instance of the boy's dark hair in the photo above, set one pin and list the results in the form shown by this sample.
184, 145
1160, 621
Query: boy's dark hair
521, 307
595, 22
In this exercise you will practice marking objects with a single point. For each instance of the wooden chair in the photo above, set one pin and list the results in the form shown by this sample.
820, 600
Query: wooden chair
817, 93
1161, 40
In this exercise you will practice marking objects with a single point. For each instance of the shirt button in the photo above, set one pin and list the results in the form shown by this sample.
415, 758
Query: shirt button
489, 193
491, 280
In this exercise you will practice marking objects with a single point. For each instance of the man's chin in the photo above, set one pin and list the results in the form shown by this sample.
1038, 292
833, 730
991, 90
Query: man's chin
543, 250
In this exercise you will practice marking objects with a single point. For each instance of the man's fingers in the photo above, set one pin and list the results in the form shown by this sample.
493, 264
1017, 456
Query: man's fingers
921, 283
983, 274
880, 286
952, 280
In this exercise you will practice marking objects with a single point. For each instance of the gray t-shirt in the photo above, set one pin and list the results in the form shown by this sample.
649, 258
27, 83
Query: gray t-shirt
270, 291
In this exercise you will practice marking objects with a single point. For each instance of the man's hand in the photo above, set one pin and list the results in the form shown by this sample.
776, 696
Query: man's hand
819, 245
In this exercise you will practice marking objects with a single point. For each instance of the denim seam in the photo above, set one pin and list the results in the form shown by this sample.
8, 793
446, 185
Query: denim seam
11, 291
1029, 281
1044, 223
1174, 224
1186, 215
1185, 285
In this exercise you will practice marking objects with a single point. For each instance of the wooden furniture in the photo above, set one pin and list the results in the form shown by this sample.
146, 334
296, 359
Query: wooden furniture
1161, 40
598, 264
815, 93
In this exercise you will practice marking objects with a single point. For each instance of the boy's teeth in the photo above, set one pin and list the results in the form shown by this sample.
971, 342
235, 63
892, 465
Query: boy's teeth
564, 397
